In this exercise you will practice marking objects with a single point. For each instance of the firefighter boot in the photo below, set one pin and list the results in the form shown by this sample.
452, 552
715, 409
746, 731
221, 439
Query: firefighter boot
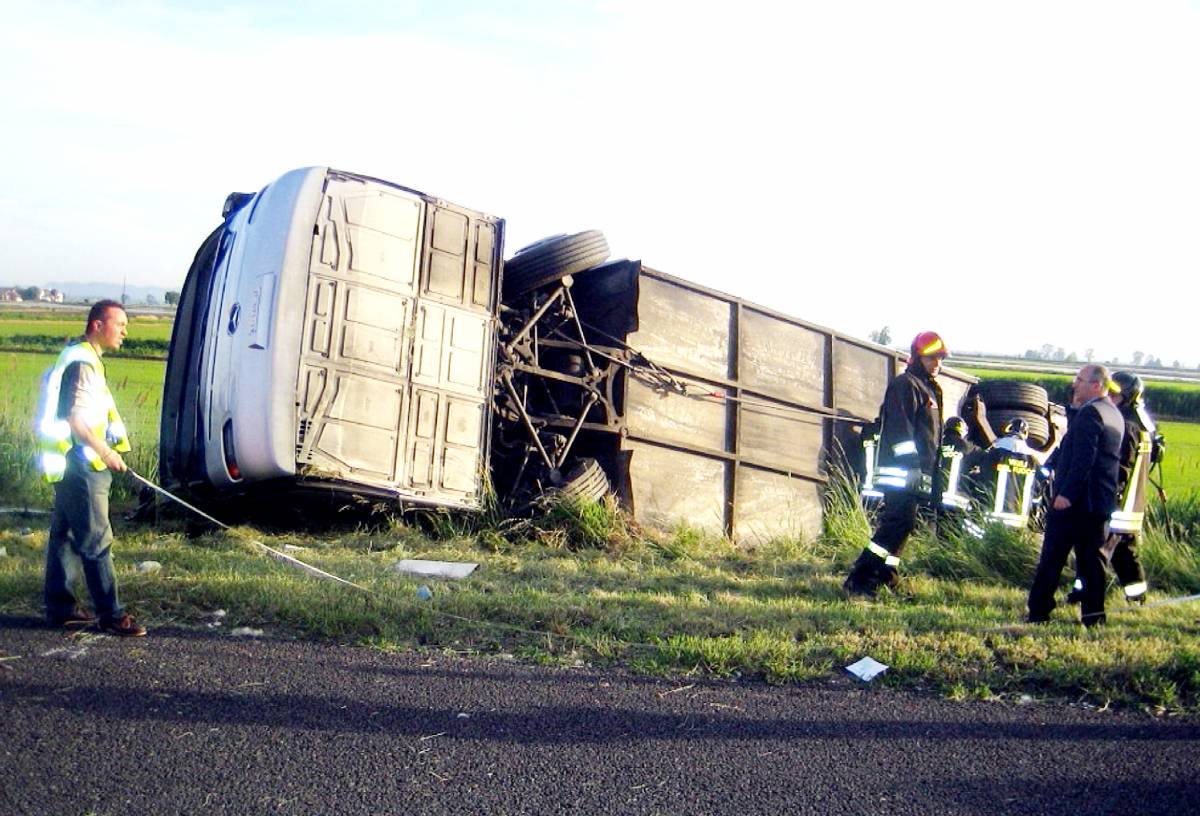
864, 576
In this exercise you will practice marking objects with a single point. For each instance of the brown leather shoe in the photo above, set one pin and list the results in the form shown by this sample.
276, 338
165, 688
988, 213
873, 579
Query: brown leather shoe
75, 619
124, 626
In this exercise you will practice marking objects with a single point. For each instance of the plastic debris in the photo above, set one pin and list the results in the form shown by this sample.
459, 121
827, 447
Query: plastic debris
435, 569
246, 631
149, 566
424, 592
866, 669
293, 548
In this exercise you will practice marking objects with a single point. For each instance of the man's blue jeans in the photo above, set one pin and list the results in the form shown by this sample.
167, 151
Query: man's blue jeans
79, 527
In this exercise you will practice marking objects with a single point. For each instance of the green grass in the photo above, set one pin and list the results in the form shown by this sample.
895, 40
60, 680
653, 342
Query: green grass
149, 335
145, 327
578, 582
1181, 464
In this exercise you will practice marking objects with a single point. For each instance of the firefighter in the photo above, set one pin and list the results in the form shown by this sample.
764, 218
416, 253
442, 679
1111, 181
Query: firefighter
1141, 448
907, 460
1010, 470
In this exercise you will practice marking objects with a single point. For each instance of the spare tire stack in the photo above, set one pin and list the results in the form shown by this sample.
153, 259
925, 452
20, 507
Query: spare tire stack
1012, 399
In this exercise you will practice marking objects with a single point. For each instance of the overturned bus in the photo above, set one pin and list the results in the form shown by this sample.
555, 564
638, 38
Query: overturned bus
341, 333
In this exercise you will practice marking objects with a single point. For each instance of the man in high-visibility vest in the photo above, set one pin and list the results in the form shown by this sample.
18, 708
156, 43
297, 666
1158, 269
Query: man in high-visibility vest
910, 441
82, 438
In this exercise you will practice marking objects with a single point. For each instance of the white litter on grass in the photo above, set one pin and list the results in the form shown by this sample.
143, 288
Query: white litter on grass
866, 669
435, 569
3, 552
149, 566
293, 548
246, 631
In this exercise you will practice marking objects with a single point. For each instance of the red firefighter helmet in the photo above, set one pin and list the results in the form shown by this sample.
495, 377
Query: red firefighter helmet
929, 344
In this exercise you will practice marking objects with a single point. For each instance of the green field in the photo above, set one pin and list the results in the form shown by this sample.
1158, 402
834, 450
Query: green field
1181, 464
142, 327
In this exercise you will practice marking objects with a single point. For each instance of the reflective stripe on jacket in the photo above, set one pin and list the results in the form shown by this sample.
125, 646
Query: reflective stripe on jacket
55, 439
911, 431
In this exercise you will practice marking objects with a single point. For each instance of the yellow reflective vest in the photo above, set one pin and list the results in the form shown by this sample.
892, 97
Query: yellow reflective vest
54, 434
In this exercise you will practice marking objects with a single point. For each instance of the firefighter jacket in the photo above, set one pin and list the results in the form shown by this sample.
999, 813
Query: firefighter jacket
1011, 473
957, 457
1137, 454
910, 432
54, 433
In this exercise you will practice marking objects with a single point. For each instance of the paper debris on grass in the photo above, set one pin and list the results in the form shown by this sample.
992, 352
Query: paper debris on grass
866, 669
436, 569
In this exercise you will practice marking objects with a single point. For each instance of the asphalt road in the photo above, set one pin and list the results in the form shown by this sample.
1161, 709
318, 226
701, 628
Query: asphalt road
200, 722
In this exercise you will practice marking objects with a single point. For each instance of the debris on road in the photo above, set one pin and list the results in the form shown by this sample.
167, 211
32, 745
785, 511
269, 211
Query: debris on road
246, 631
435, 569
866, 669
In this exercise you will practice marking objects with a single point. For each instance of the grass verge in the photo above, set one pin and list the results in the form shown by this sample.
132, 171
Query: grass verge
578, 582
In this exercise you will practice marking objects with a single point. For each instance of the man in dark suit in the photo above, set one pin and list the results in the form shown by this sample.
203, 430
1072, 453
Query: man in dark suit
1085, 493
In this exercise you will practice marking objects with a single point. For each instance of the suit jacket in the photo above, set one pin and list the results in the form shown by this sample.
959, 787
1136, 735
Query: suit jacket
1087, 466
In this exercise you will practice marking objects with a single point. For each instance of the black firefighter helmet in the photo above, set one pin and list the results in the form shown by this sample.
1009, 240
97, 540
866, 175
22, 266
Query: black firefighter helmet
1131, 385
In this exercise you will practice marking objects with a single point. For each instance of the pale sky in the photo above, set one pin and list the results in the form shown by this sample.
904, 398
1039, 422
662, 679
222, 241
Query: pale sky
1008, 173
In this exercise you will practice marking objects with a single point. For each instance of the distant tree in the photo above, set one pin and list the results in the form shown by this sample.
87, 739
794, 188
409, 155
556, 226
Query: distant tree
124, 298
171, 298
1138, 357
151, 300
1089, 354
1047, 350
29, 292
1176, 364
1072, 358
882, 337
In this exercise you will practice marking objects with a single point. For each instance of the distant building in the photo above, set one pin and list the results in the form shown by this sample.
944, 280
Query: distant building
52, 296
10, 296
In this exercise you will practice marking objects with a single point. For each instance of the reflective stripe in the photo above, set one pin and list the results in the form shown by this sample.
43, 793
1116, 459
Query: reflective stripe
973, 528
1078, 585
1122, 522
868, 488
888, 558
934, 347
1008, 519
907, 448
1133, 590
892, 477
54, 466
